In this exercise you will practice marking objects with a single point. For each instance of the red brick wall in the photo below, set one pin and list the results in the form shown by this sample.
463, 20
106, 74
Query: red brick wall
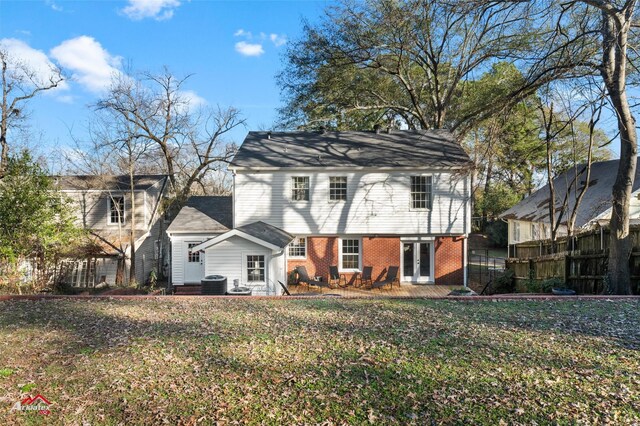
382, 252
322, 252
448, 260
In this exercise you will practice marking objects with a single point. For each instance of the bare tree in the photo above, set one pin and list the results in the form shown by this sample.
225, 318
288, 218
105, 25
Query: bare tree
560, 128
19, 84
115, 148
187, 142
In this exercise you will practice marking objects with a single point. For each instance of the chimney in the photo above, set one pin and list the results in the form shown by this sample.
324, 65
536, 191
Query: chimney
323, 130
376, 129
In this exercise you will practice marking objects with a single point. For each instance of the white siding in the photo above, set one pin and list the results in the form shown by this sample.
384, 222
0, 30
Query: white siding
526, 231
178, 257
228, 259
377, 203
177, 263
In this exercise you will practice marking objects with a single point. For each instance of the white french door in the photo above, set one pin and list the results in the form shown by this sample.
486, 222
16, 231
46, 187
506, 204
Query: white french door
417, 262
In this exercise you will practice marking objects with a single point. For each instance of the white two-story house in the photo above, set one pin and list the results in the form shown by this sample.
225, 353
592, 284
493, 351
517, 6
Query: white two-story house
349, 199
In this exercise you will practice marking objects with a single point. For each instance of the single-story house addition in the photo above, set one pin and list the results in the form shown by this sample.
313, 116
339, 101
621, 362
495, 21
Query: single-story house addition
203, 243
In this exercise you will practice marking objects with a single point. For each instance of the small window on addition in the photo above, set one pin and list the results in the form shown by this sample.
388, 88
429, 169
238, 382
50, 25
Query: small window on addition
298, 248
337, 188
255, 268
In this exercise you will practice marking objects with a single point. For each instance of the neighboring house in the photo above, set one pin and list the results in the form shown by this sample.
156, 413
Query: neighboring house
351, 199
103, 206
529, 220
201, 219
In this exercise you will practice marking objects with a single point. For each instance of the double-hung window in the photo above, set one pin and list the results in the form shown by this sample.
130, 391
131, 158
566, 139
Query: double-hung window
421, 192
116, 209
255, 268
350, 254
298, 248
300, 188
337, 188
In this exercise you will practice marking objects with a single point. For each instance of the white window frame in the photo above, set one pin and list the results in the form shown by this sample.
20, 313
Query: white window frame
341, 268
110, 201
291, 256
245, 267
516, 231
429, 184
346, 190
294, 188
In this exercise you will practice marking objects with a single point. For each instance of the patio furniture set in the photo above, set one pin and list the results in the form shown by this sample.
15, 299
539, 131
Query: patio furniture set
363, 280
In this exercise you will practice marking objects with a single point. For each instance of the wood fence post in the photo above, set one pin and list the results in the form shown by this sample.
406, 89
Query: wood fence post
567, 269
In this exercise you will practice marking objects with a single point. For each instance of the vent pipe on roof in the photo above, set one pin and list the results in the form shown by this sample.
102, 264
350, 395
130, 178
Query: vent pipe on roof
268, 135
376, 129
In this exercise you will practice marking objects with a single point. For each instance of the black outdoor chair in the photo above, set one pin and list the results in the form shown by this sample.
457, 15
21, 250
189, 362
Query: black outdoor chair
303, 277
365, 276
392, 276
337, 278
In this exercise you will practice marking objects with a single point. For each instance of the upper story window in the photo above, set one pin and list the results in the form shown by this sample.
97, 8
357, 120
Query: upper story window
350, 254
337, 188
534, 232
300, 188
116, 209
420, 192
298, 248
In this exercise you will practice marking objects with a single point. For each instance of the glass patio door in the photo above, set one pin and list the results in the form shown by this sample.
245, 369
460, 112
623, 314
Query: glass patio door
417, 265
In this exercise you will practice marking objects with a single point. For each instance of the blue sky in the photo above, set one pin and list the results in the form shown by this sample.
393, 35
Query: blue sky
232, 48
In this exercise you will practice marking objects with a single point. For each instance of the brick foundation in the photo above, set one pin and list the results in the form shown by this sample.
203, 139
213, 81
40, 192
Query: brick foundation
382, 252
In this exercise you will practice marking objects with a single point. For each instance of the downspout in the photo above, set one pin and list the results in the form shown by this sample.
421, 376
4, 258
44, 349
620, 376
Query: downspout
465, 261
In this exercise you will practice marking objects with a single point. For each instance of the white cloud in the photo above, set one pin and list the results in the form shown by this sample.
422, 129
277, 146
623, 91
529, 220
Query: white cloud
249, 49
54, 5
278, 39
36, 61
156, 9
189, 101
243, 33
92, 66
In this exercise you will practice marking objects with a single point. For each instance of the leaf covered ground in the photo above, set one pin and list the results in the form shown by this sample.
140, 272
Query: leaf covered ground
190, 360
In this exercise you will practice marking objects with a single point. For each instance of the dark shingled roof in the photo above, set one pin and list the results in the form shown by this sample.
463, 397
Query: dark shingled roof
596, 201
204, 214
111, 183
267, 233
398, 148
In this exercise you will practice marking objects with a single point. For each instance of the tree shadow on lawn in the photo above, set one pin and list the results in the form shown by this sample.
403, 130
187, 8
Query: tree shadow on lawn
313, 355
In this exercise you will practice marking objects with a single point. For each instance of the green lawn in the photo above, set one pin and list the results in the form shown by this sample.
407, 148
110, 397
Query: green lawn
313, 361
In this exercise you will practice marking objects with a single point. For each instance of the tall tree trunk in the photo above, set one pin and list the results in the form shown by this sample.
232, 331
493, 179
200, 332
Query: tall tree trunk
615, 29
132, 237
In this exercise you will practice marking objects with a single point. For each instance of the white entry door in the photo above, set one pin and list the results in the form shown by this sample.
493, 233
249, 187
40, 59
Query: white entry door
193, 264
417, 262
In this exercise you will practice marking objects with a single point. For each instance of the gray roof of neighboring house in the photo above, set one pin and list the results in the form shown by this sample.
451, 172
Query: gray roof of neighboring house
398, 148
267, 233
204, 214
106, 182
596, 200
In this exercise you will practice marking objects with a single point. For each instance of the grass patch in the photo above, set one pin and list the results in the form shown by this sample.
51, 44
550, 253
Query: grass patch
322, 361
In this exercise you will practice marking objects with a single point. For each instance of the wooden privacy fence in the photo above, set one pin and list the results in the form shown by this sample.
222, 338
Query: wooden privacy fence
583, 268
